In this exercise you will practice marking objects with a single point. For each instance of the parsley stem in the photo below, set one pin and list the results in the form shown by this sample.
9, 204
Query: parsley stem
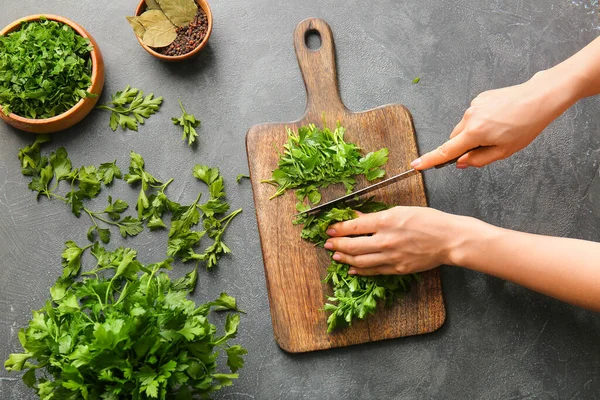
150, 278
95, 214
163, 186
56, 196
91, 216
229, 218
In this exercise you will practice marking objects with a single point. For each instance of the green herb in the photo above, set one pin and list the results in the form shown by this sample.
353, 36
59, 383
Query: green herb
125, 331
157, 27
151, 205
189, 122
45, 69
242, 176
182, 239
129, 107
416, 80
85, 183
353, 296
315, 158
145, 207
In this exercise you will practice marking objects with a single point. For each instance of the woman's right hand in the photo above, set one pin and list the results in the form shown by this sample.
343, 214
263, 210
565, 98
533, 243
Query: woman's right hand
503, 121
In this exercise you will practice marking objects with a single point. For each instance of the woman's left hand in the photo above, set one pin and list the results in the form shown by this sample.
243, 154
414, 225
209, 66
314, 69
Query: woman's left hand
401, 240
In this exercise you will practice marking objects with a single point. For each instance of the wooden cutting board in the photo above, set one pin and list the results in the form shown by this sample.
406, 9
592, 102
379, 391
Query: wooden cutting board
294, 268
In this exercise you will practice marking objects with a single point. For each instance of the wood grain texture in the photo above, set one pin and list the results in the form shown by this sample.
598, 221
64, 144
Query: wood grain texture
294, 269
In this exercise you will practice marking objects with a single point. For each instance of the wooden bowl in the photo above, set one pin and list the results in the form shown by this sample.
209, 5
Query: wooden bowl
79, 110
204, 6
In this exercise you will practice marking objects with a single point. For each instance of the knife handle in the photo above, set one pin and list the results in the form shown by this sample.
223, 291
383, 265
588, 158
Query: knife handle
454, 160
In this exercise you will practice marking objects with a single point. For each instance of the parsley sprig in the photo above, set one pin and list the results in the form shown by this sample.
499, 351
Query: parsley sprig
183, 238
129, 107
189, 124
124, 330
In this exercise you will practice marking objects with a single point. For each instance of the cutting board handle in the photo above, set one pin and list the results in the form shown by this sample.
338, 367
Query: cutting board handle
318, 68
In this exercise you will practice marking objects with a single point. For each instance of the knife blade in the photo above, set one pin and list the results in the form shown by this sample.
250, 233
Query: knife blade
376, 186
360, 192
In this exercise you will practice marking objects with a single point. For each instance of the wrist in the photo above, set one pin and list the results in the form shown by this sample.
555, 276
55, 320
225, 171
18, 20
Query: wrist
470, 240
558, 88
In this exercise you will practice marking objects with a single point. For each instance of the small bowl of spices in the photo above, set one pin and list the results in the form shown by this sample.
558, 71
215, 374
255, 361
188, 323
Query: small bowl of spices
172, 30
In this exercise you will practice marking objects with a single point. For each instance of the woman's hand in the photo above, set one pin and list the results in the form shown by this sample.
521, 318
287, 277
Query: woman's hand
402, 240
503, 121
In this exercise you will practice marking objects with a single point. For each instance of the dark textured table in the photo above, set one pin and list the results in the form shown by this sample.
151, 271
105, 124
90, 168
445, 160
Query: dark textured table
500, 341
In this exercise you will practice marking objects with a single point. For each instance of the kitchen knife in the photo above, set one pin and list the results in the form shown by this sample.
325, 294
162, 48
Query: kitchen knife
377, 185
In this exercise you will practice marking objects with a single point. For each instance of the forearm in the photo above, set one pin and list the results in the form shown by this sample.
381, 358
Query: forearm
573, 79
566, 269
582, 71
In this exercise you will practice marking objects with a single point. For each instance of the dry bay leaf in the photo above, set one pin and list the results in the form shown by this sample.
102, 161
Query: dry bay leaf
179, 12
152, 5
152, 17
159, 34
137, 27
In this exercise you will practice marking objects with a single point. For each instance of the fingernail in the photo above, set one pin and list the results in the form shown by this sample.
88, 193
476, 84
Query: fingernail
337, 257
462, 165
352, 271
416, 163
330, 232
328, 245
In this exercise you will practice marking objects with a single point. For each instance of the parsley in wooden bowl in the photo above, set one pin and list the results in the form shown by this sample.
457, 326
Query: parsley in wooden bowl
51, 73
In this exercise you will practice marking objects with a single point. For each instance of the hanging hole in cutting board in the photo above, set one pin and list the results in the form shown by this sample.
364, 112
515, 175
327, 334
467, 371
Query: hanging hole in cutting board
312, 39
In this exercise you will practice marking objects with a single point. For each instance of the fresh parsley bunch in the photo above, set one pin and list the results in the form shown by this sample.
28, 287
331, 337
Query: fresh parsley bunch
315, 158
354, 296
125, 331
45, 69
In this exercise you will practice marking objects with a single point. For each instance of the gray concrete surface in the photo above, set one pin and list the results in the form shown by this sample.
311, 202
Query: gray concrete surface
500, 341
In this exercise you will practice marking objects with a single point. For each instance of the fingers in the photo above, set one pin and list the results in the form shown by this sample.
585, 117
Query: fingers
458, 128
453, 148
363, 225
380, 270
354, 245
362, 260
481, 157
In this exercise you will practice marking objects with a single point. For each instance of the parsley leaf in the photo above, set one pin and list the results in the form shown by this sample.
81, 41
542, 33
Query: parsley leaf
129, 107
189, 123
109, 171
